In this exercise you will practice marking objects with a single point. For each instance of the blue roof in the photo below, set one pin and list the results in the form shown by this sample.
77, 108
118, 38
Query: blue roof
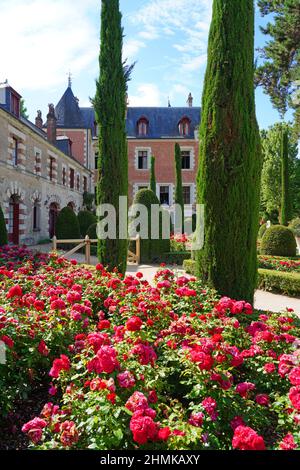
68, 113
163, 122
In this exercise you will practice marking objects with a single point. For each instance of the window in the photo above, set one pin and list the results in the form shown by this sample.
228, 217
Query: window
15, 152
186, 159
184, 127
64, 176
51, 168
72, 178
36, 216
142, 126
78, 183
85, 184
187, 195
15, 105
143, 160
164, 195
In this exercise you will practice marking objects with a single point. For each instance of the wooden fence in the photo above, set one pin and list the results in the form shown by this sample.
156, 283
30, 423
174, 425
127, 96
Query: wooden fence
87, 242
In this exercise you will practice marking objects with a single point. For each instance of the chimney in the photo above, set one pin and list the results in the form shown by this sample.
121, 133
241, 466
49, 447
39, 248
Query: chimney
190, 101
39, 120
51, 125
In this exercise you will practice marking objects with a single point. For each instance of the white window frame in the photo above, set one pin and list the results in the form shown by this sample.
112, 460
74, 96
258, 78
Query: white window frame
171, 192
192, 157
149, 153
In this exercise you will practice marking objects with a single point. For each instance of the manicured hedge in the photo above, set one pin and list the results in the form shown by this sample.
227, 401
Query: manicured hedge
278, 241
177, 257
86, 219
279, 282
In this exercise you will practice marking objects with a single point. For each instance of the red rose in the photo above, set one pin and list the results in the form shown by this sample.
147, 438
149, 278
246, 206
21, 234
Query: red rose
243, 388
294, 397
262, 399
15, 291
288, 443
246, 438
134, 324
294, 376
69, 434
8, 341
58, 365
43, 349
164, 434
103, 325
143, 427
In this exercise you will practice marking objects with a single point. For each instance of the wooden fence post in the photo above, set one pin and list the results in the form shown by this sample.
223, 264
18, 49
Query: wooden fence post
87, 250
138, 249
54, 243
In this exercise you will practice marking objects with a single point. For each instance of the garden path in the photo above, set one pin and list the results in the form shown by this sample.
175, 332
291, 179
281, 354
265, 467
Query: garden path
263, 300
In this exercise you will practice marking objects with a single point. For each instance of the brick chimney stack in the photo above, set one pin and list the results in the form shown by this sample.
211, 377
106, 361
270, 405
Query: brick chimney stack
190, 100
51, 125
39, 120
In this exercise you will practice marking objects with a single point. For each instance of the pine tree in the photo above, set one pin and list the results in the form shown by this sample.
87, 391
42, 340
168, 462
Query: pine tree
178, 186
285, 199
230, 156
152, 175
110, 109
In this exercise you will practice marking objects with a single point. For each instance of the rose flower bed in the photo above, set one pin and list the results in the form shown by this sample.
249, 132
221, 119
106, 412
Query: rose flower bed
135, 366
279, 264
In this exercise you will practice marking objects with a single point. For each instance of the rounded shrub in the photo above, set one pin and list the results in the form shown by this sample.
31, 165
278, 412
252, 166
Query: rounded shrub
86, 219
3, 231
278, 241
295, 226
151, 250
67, 226
262, 231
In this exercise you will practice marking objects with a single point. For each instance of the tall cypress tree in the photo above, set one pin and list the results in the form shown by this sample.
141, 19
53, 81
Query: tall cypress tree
152, 175
285, 196
110, 108
230, 157
178, 185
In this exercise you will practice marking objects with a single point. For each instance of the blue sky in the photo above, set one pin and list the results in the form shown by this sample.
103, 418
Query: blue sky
167, 38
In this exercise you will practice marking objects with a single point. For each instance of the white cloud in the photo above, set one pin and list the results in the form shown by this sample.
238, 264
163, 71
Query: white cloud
194, 63
131, 48
148, 94
43, 39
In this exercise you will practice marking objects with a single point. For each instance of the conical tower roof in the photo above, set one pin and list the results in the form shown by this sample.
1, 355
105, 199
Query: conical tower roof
68, 112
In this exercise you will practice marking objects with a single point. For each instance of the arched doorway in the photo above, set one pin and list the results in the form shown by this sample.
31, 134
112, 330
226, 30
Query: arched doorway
53, 213
72, 205
14, 220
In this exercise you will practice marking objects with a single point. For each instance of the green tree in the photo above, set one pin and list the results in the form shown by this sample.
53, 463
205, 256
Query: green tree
285, 212
23, 109
86, 219
280, 72
3, 231
230, 154
67, 226
110, 108
152, 175
178, 185
271, 174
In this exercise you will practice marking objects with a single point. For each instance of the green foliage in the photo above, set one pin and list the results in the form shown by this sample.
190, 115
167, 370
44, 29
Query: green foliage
151, 250
152, 175
230, 156
279, 282
176, 258
281, 67
86, 219
262, 231
23, 109
178, 185
285, 196
92, 231
110, 108
278, 241
3, 231
190, 266
88, 200
271, 187
295, 226
67, 226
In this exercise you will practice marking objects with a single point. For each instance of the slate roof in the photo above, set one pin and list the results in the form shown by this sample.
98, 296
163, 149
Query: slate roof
68, 113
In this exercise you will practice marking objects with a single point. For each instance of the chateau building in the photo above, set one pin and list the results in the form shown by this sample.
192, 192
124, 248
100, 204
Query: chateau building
45, 166
39, 173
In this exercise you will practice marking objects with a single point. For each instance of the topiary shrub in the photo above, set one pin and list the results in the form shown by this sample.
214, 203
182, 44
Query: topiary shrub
151, 250
67, 227
86, 219
278, 241
3, 231
262, 231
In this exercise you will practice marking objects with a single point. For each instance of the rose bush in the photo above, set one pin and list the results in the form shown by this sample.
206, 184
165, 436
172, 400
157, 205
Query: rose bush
131, 365
279, 264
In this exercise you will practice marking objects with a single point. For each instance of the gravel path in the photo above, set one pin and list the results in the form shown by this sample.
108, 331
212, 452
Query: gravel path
263, 300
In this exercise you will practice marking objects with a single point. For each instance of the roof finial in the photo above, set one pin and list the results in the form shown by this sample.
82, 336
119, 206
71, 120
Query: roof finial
70, 80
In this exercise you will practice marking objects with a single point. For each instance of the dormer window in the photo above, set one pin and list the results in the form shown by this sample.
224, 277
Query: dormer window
15, 105
142, 127
184, 126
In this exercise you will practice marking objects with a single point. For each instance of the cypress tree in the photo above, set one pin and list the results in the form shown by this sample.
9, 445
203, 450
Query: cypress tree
285, 199
152, 175
230, 157
3, 231
178, 186
110, 109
